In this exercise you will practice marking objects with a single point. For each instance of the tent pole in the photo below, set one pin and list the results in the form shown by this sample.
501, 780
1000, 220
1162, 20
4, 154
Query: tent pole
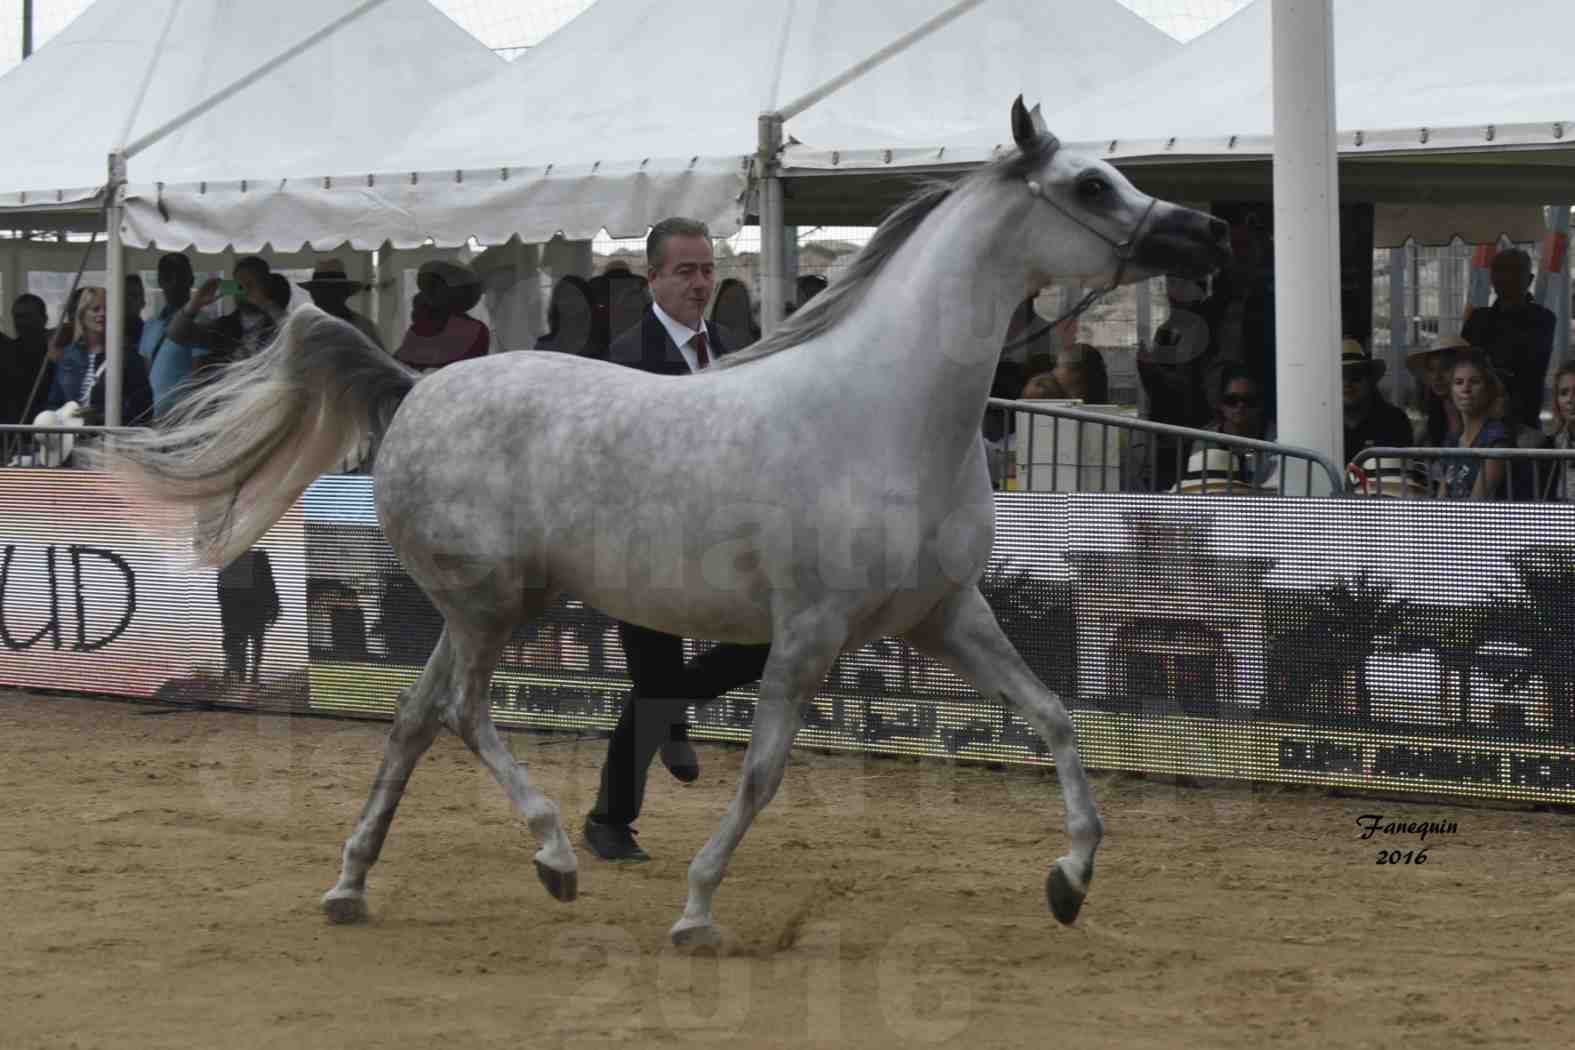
773, 226
240, 84
115, 295
1553, 281
1306, 232
858, 69
1399, 326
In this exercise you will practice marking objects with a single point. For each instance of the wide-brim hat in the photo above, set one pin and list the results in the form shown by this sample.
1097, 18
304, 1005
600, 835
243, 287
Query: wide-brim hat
329, 276
1354, 357
1397, 479
1443, 344
463, 283
1215, 472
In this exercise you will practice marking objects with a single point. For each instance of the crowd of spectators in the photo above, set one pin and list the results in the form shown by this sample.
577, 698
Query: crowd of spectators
1480, 389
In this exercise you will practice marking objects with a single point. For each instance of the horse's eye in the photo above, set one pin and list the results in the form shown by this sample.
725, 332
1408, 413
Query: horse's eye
1092, 188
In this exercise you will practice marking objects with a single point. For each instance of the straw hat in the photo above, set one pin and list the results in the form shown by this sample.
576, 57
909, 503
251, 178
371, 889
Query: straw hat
1215, 472
1355, 358
1396, 479
1442, 344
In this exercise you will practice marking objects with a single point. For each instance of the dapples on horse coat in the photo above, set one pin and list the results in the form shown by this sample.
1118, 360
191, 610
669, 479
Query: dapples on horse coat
836, 493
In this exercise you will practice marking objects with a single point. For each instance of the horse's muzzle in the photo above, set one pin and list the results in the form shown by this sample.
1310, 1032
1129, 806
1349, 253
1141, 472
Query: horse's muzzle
1185, 243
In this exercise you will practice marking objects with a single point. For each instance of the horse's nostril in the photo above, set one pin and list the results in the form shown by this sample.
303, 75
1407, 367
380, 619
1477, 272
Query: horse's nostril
1219, 229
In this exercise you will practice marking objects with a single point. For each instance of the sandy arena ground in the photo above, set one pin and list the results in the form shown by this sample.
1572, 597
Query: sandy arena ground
162, 875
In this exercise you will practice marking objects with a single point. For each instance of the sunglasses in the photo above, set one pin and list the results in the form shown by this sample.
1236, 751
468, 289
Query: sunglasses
1238, 399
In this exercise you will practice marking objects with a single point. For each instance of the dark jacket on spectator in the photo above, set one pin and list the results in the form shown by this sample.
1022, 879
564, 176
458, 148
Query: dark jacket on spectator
1386, 426
648, 347
1520, 345
136, 394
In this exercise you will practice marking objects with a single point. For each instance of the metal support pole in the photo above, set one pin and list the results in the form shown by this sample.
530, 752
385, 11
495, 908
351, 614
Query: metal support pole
1399, 325
115, 294
858, 69
773, 228
27, 28
1306, 231
1558, 294
241, 83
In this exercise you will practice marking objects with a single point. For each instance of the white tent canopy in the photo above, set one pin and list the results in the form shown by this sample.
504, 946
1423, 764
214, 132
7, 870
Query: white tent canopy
592, 130
1438, 101
115, 75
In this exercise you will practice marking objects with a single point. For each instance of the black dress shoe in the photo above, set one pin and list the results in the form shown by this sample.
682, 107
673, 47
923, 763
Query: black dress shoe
613, 842
681, 761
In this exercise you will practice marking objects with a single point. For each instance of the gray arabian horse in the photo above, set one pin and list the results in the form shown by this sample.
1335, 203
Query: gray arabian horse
815, 499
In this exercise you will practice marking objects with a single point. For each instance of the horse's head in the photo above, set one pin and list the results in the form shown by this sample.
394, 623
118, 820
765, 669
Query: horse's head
1116, 234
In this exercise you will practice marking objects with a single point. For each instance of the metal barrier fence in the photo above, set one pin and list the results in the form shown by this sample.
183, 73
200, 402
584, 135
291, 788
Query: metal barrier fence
1530, 475
29, 446
1058, 448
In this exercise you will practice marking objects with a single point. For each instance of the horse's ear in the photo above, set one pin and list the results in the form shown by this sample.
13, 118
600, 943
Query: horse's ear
1028, 127
1023, 130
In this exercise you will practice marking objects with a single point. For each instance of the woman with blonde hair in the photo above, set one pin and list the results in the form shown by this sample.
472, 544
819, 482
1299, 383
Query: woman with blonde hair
1477, 394
80, 376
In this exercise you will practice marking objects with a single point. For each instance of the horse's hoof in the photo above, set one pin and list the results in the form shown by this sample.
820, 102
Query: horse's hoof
563, 885
344, 908
1064, 894
691, 936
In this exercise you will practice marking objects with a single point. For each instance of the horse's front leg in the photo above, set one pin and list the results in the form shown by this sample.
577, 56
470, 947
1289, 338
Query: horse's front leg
963, 634
800, 657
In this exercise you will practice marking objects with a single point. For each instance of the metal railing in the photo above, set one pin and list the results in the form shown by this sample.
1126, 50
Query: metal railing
1174, 459
29, 446
1533, 475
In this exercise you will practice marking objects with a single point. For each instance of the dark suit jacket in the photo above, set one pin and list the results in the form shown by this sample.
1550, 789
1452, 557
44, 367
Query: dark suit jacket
648, 347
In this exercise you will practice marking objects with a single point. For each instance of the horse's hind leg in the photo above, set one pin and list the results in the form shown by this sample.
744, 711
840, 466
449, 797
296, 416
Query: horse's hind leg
476, 655
963, 634
798, 664
415, 726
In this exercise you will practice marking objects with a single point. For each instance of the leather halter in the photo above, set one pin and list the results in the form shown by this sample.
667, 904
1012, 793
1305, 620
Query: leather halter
1124, 249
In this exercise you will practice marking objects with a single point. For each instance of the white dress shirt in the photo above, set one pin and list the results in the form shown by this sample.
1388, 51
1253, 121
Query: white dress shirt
683, 336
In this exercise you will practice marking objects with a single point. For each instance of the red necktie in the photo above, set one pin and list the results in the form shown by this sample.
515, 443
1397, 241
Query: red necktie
701, 357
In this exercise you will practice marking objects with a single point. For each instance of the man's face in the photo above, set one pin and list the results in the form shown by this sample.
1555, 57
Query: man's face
254, 288
29, 319
136, 299
682, 284
1510, 277
175, 283
1355, 387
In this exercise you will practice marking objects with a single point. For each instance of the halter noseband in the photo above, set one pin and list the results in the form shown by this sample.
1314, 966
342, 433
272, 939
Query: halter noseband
1124, 251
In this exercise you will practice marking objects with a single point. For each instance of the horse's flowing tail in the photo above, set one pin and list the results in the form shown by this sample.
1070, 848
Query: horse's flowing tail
239, 450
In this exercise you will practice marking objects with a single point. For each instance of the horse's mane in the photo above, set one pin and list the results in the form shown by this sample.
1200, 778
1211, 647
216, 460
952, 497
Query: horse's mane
848, 289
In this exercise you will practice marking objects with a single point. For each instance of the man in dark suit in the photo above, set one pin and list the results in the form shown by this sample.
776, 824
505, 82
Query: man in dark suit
672, 338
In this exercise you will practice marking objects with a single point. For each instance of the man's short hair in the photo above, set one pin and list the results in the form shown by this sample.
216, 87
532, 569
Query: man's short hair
255, 263
656, 240
174, 263
1519, 256
29, 299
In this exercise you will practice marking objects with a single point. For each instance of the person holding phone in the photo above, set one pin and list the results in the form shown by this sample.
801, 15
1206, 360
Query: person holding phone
243, 331
170, 361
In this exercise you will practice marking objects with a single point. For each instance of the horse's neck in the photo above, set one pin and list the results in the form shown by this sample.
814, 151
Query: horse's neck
934, 322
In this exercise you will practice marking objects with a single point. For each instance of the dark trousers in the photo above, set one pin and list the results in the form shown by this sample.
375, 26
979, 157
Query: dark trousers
664, 687
237, 645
